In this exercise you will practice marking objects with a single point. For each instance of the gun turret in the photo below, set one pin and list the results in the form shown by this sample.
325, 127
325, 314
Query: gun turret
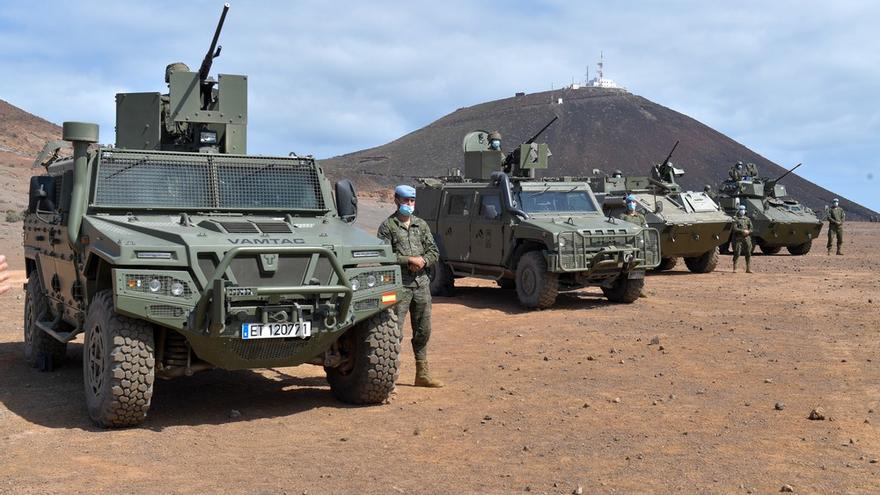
664, 171
513, 157
214, 49
770, 185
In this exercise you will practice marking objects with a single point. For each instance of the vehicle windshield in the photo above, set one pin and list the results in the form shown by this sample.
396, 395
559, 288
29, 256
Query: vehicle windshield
133, 180
556, 201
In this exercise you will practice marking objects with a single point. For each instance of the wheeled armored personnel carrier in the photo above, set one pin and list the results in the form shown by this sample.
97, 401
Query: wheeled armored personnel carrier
539, 236
690, 224
779, 220
174, 252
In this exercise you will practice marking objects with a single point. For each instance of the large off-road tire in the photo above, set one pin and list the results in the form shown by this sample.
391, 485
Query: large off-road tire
705, 263
371, 360
536, 288
119, 366
624, 290
666, 264
442, 280
800, 249
41, 350
771, 250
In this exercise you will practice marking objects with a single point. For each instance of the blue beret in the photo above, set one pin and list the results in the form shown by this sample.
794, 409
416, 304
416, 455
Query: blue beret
405, 191
630, 197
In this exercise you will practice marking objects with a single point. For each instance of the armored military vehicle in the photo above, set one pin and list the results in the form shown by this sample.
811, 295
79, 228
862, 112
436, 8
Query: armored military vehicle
779, 221
539, 236
691, 225
174, 251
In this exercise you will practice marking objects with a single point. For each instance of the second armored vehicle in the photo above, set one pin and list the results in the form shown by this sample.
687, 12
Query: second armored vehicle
779, 221
539, 236
691, 225
175, 252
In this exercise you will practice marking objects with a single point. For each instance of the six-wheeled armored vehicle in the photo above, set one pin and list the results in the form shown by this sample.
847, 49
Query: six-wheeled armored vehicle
779, 220
539, 236
174, 251
690, 224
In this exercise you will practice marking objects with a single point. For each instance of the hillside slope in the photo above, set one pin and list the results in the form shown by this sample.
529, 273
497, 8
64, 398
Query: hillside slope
597, 128
22, 136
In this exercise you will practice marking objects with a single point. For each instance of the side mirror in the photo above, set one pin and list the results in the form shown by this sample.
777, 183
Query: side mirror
42, 193
346, 201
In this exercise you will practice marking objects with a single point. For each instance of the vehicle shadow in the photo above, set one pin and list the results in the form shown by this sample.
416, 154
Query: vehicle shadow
56, 399
505, 300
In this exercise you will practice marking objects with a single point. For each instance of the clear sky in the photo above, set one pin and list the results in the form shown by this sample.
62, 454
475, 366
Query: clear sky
795, 81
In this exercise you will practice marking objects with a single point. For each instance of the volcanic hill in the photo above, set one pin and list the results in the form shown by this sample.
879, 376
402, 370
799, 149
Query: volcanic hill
599, 128
22, 136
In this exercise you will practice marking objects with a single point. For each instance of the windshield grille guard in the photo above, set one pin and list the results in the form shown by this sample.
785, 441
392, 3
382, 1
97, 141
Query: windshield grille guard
127, 179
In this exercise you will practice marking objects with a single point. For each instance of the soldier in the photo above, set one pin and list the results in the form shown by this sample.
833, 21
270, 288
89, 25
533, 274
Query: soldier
616, 174
412, 242
751, 170
742, 238
4, 275
495, 141
836, 217
737, 171
631, 215
172, 127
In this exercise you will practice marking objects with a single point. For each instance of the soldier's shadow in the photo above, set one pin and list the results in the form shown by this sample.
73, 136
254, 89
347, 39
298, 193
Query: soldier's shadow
56, 399
505, 300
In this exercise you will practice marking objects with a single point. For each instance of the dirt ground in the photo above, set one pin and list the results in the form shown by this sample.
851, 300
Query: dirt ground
545, 402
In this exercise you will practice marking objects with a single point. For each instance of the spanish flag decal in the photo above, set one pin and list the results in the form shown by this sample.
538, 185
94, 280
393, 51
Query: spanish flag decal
389, 297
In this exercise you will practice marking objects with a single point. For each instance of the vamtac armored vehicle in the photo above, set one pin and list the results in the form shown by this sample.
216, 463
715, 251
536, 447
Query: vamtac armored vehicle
175, 252
539, 236
779, 221
691, 225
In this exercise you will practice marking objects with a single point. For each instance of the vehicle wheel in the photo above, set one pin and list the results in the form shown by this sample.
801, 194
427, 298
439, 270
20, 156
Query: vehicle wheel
506, 284
800, 249
41, 350
703, 264
535, 286
724, 248
371, 360
118, 364
624, 290
666, 264
442, 281
771, 250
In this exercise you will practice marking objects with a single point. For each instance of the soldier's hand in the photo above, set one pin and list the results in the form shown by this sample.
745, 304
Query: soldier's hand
747, 232
4, 275
416, 261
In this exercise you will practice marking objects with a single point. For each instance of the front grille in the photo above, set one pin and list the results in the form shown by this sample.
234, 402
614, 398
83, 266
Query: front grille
290, 271
165, 311
253, 350
366, 304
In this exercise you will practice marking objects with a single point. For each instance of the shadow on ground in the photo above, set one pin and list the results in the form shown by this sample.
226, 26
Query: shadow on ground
56, 399
505, 300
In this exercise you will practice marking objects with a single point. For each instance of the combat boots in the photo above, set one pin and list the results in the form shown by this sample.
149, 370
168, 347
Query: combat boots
748, 266
423, 376
734, 267
829, 251
839, 252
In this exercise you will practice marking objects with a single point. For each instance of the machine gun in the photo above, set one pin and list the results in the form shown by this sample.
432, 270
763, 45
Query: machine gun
664, 172
770, 185
514, 156
214, 49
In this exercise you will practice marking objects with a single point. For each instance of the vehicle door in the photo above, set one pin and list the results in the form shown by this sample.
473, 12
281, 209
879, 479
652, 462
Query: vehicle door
454, 224
487, 236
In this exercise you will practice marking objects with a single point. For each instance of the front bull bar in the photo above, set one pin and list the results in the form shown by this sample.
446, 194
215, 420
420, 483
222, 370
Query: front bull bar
215, 294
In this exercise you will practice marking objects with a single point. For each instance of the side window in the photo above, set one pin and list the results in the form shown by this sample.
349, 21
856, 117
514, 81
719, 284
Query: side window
490, 206
459, 204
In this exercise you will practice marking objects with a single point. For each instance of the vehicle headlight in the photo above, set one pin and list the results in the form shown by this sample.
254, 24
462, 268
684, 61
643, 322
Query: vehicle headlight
155, 285
371, 280
355, 284
561, 242
177, 289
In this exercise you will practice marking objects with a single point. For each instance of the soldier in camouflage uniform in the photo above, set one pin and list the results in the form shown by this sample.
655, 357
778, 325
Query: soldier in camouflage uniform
737, 171
752, 170
631, 215
742, 238
412, 242
836, 217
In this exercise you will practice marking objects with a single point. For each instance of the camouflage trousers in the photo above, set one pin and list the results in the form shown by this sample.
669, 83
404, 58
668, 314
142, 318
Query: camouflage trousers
742, 245
832, 231
417, 302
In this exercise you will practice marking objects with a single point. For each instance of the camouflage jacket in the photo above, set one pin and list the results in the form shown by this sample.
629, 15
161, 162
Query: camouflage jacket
636, 218
415, 240
740, 225
836, 216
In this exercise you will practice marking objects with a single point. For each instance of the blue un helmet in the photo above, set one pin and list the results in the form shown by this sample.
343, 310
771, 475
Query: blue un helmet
630, 202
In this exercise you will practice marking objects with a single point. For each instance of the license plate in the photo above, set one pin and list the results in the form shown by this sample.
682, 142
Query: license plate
299, 329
